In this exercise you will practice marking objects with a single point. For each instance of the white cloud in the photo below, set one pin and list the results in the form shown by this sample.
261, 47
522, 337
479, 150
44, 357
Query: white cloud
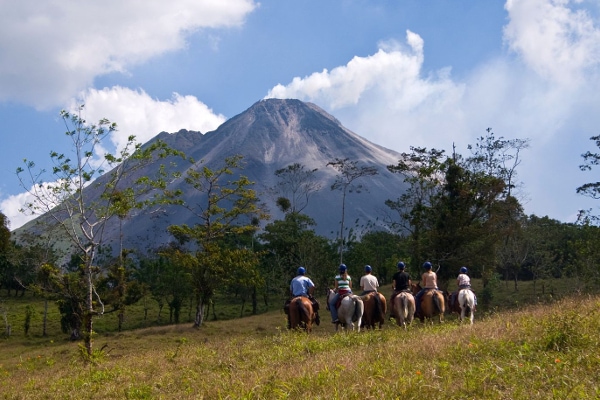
10, 207
389, 99
51, 50
136, 113
554, 38
385, 96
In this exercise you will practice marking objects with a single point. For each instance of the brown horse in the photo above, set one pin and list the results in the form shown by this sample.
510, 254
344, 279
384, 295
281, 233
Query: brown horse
432, 303
375, 310
404, 308
302, 314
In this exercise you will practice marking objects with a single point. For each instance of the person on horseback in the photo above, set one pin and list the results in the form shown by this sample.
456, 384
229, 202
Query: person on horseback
368, 282
303, 286
400, 283
342, 286
428, 282
463, 282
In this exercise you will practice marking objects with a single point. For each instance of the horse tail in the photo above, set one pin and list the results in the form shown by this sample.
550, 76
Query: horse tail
403, 306
383, 306
437, 302
359, 309
301, 311
378, 306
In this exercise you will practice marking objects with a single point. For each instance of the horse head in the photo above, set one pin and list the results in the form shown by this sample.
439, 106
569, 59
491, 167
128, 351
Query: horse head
415, 288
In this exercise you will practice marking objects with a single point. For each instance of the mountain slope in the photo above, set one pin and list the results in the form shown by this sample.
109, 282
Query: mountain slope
273, 134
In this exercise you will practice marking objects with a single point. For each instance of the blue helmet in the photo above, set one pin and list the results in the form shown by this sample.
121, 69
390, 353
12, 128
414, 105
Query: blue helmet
427, 265
401, 265
463, 270
343, 268
368, 268
301, 271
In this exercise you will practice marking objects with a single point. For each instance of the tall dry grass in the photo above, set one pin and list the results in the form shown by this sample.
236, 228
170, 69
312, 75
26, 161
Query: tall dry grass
544, 351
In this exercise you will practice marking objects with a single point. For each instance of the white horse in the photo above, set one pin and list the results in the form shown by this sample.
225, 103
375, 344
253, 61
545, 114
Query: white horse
351, 310
404, 309
466, 301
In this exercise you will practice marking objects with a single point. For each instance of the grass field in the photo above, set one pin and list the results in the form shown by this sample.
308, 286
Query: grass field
538, 351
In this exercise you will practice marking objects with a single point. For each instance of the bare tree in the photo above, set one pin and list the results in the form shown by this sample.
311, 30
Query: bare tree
349, 172
78, 206
297, 184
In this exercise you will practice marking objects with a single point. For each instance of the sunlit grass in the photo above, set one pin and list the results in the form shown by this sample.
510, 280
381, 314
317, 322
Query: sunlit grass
518, 354
538, 352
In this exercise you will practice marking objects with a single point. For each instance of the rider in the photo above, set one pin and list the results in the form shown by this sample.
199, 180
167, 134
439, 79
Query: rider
303, 286
400, 283
428, 281
342, 286
463, 282
368, 282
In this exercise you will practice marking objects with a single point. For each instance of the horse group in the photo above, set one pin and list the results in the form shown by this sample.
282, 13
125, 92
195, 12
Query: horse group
369, 311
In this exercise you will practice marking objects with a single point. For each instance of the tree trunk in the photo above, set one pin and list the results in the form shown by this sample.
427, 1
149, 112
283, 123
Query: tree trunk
88, 321
199, 314
45, 318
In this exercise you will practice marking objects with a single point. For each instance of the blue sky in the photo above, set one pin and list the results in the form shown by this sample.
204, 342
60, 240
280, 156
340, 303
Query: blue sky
400, 73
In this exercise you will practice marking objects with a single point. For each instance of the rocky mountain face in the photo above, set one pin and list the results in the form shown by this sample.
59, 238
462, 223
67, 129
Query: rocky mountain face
271, 135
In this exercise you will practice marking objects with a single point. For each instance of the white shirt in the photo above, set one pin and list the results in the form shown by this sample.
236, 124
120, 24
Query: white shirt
369, 282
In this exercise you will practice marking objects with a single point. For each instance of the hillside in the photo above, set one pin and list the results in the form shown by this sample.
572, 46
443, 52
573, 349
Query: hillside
534, 353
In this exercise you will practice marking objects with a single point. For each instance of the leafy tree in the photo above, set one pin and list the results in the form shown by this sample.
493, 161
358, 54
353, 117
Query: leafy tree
229, 207
423, 170
166, 280
290, 243
464, 229
6, 249
77, 204
118, 286
348, 173
591, 160
381, 250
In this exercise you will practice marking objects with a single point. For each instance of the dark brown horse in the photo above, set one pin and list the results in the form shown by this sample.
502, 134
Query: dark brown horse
432, 303
302, 315
375, 310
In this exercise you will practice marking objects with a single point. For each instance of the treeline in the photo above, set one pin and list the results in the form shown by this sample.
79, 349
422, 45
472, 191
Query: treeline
458, 210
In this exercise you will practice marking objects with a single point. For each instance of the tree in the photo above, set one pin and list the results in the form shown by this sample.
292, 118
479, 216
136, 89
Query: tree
5, 252
498, 157
423, 170
348, 173
77, 205
228, 207
297, 185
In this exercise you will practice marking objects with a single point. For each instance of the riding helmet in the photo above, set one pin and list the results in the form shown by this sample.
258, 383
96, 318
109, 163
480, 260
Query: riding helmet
368, 268
427, 265
343, 268
301, 271
463, 270
401, 265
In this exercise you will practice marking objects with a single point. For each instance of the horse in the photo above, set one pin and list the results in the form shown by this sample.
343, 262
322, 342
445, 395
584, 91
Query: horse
404, 308
375, 309
432, 303
463, 304
302, 314
351, 310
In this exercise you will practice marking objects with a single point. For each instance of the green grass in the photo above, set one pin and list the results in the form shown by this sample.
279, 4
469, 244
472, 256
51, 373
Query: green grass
547, 350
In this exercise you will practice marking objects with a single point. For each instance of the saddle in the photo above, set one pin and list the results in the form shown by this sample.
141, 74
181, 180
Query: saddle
340, 298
